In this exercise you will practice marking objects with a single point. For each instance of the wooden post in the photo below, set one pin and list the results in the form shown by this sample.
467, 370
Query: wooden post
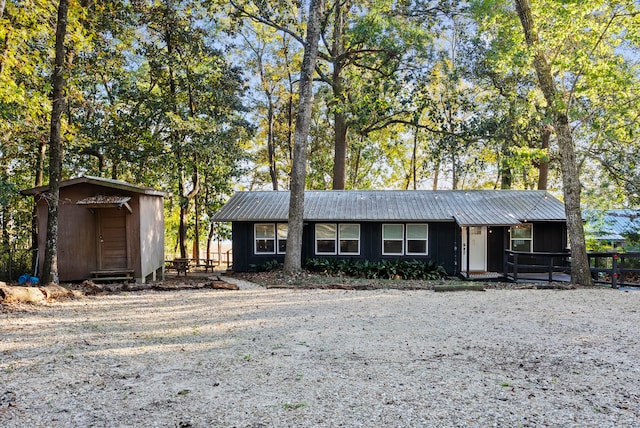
515, 267
505, 263
550, 268
468, 251
614, 271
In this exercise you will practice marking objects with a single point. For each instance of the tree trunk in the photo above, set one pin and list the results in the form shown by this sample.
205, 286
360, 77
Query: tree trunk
293, 258
436, 173
340, 154
339, 118
39, 180
580, 272
543, 167
196, 226
271, 150
50, 267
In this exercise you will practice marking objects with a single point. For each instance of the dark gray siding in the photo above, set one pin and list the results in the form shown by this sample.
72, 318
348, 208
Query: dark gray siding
442, 245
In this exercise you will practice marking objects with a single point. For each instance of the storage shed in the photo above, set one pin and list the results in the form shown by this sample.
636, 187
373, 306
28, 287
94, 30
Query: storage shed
107, 229
463, 230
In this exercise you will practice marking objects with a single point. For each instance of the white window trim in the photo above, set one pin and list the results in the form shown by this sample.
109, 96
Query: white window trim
340, 239
511, 238
273, 238
426, 240
405, 240
278, 239
401, 253
335, 240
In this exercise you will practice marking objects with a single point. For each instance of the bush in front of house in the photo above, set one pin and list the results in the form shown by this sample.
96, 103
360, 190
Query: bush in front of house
269, 266
383, 269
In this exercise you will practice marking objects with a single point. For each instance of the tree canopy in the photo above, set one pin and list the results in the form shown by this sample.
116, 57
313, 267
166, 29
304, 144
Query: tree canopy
200, 98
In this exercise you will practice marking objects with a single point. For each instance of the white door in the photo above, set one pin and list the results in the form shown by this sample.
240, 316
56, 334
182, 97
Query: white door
477, 249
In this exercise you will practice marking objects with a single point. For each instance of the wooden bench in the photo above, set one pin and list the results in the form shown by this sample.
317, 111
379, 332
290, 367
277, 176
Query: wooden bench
208, 264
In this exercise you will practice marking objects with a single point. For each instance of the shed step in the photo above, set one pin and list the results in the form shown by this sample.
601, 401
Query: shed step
112, 279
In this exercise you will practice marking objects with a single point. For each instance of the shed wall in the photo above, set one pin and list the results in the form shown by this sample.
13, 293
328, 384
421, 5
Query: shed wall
151, 236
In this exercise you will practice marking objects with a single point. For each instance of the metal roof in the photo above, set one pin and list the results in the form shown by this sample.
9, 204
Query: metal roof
100, 181
466, 207
612, 225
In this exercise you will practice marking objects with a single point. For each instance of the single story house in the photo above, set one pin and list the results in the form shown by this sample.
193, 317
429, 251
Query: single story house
612, 228
464, 230
106, 228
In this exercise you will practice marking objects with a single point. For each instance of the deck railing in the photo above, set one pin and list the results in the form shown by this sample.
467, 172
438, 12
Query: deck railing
617, 269
516, 262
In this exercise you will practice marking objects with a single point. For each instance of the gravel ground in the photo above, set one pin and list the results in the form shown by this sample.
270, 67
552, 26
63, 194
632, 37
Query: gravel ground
279, 357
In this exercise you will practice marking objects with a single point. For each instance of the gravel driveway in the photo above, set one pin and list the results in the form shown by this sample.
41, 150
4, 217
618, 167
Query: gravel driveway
326, 358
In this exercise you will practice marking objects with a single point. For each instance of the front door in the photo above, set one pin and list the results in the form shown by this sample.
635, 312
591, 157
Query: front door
477, 248
112, 239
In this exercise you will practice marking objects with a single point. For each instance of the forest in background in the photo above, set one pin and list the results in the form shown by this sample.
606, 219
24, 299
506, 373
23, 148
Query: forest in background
199, 98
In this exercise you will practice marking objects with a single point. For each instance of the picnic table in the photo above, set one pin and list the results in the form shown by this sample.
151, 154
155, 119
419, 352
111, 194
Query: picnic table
180, 265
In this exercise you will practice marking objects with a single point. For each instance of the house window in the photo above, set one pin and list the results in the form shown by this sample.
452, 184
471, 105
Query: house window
337, 238
401, 239
522, 237
349, 236
283, 230
392, 239
417, 238
326, 235
265, 238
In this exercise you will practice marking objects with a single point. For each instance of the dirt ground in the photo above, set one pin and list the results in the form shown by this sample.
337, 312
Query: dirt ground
273, 357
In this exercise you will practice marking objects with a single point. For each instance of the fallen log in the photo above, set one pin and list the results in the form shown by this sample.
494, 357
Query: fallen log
221, 285
466, 287
54, 291
11, 294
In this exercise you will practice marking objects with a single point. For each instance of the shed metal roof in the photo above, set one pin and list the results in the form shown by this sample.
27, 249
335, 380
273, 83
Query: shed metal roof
466, 207
99, 181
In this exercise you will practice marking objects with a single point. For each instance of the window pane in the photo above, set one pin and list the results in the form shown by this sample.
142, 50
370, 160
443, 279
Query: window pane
349, 231
521, 231
417, 247
521, 245
265, 231
283, 229
349, 246
282, 246
326, 246
416, 231
264, 245
325, 231
392, 247
392, 231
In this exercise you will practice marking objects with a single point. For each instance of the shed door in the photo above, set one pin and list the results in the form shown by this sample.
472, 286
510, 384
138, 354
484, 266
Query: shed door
112, 239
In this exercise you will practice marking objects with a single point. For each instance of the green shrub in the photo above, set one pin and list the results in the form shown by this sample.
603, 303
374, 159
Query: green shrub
270, 266
385, 269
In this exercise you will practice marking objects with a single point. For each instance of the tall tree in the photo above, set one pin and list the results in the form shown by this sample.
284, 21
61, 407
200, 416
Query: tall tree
580, 272
366, 38
50, 266
293, 257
